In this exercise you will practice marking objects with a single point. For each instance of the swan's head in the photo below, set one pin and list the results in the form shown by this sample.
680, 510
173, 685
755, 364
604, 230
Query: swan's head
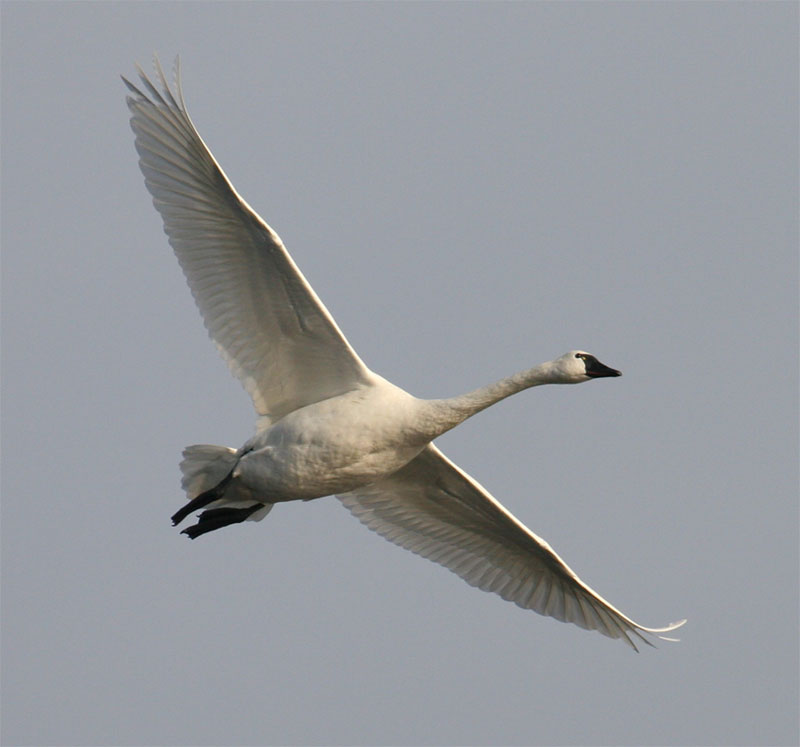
578, 365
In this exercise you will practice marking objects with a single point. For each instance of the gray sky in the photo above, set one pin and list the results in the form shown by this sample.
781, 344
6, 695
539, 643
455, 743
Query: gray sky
471, 189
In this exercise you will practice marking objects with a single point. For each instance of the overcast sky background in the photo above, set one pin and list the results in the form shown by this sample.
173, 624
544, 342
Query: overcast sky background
471, 189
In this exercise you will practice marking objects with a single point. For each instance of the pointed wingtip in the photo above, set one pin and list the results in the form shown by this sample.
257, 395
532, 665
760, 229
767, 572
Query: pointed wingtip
671, 627
665, 629
675, 625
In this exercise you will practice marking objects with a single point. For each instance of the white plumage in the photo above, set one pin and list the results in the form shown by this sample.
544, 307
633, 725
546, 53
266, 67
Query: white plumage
328, 425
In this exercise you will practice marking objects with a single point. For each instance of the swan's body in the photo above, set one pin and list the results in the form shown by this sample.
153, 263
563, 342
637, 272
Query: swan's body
327, 424
335, 445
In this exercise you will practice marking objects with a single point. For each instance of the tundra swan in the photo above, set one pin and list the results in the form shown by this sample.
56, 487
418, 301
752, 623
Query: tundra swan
328, 425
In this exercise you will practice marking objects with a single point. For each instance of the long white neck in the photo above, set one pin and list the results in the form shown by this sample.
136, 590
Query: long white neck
440, 415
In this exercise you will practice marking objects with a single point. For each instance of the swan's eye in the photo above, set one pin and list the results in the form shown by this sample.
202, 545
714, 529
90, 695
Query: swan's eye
581, 356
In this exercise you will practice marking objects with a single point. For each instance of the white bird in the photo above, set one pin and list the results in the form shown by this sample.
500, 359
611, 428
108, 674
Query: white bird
327, 424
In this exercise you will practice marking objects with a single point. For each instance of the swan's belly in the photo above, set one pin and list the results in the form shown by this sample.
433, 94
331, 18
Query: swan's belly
298, 473
334, 446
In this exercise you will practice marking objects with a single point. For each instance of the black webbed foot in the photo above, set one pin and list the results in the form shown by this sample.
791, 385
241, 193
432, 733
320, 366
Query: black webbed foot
216, 518
202, 500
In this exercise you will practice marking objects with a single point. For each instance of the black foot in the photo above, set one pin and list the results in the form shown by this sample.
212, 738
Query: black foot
216, 518
202, 500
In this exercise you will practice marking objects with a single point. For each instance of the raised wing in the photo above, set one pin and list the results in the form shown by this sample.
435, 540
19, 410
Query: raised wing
275, 334
436, 510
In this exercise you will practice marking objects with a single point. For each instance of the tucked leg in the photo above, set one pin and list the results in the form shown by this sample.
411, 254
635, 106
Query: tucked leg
202, 500
216, 518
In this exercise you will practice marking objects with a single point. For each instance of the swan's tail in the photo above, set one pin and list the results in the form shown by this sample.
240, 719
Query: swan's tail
209, 484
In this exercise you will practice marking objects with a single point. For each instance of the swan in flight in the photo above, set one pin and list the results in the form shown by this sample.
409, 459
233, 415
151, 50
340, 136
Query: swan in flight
327, 424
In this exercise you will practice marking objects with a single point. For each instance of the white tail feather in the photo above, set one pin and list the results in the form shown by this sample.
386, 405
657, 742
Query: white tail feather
205, 466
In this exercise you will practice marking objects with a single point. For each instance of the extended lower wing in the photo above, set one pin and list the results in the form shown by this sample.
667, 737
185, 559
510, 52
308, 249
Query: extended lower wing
436, 510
